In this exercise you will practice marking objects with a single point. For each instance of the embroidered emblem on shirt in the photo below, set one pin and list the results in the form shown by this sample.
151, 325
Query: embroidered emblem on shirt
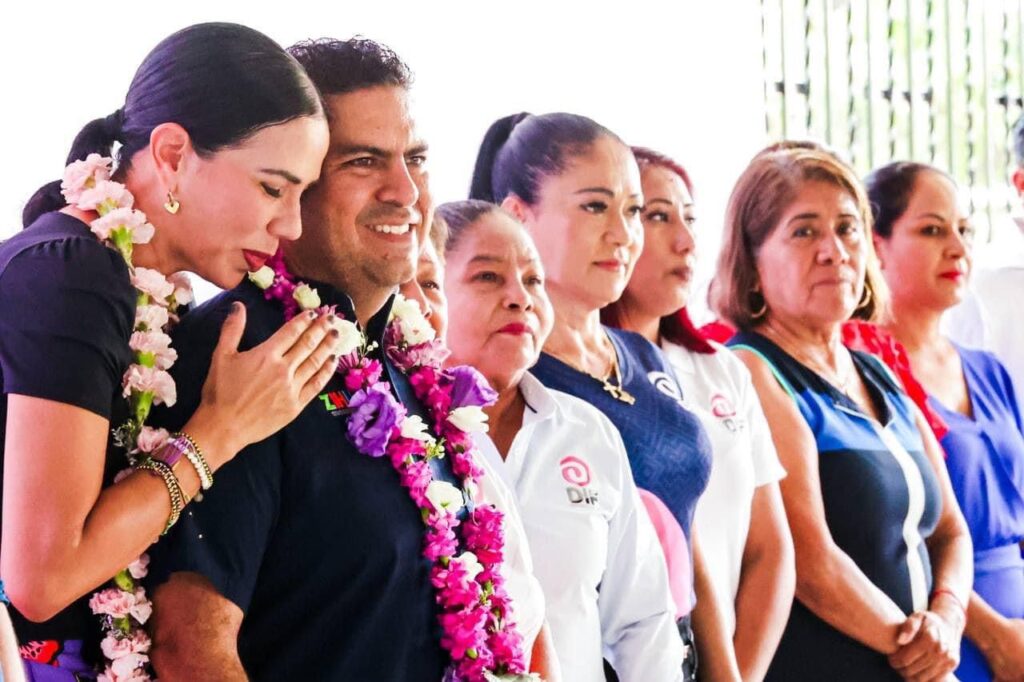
334, 402
667, 385
576, 473
722, 408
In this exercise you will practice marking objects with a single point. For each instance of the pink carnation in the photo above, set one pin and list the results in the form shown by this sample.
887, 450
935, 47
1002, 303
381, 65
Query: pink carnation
112, 602
128, 667
151, 317
140, 567
135, 675
143, 608
104, 197
82, 175
153, 283
182, 288
156, 343
128, 218
118, 647
150, 380
151, 439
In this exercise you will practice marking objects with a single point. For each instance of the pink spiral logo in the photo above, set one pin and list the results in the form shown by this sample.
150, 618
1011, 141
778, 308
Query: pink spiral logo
575, 471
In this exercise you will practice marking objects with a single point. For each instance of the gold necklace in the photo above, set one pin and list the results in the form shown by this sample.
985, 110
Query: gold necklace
615, 390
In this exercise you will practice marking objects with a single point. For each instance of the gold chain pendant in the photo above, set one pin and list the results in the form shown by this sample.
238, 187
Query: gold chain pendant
618, 393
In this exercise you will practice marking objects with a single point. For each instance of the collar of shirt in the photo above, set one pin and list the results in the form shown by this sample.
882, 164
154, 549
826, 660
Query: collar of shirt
332, 296
541, 404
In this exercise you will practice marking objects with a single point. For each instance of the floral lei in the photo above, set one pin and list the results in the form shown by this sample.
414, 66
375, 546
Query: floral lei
475, 612
124, 607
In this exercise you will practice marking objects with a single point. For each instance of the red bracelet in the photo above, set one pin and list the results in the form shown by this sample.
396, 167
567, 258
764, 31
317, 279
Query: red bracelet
952, 595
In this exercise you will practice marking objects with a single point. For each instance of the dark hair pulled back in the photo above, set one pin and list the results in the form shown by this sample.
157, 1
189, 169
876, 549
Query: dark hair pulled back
519, 151
889, 189
221, 82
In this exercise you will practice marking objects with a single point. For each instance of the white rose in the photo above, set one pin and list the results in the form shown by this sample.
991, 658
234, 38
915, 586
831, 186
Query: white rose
470, 563
404, 308
413, 324
471, 419
444, 495
414, 428
416, 331
306, 297
349, 336
263, 277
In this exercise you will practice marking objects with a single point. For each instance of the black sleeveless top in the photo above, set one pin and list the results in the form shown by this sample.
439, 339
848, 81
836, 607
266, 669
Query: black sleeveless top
67, 309
881, 498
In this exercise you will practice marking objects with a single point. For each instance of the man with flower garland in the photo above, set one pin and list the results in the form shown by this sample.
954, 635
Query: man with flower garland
312, 559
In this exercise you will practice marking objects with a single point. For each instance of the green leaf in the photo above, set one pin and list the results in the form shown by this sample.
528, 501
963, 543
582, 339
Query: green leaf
124, 580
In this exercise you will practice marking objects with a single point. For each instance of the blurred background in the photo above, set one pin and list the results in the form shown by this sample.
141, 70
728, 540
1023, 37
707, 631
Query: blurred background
708, 83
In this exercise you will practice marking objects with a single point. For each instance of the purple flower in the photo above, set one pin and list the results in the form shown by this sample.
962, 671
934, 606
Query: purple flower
469, 388
375, 414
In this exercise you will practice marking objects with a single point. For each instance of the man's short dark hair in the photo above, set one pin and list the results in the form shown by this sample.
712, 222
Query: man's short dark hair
1018, 142
338, 67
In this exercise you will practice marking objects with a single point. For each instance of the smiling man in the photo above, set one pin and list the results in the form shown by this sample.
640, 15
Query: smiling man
304, 561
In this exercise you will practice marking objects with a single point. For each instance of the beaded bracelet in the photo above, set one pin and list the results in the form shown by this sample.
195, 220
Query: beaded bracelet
195, 456
178, 498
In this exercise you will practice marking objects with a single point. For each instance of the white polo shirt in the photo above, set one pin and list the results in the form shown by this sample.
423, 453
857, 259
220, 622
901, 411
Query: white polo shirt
594, 548
718, 389
517, 566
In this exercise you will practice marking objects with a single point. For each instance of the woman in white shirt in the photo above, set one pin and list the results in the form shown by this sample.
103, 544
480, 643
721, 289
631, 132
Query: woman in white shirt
740, 518
427, 289
594, 549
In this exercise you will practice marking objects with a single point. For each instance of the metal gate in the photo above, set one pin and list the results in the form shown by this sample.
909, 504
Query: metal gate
939, 81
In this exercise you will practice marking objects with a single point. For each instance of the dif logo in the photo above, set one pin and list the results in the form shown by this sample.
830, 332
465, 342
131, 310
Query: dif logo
576, 473
723, 409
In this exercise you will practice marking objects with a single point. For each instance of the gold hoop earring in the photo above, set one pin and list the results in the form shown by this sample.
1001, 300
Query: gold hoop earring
171, 205
865, 299
763, 310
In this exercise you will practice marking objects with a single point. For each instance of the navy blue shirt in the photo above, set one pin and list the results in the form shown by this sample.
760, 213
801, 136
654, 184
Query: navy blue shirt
668, 449
882, 501
318, 544
67, 308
